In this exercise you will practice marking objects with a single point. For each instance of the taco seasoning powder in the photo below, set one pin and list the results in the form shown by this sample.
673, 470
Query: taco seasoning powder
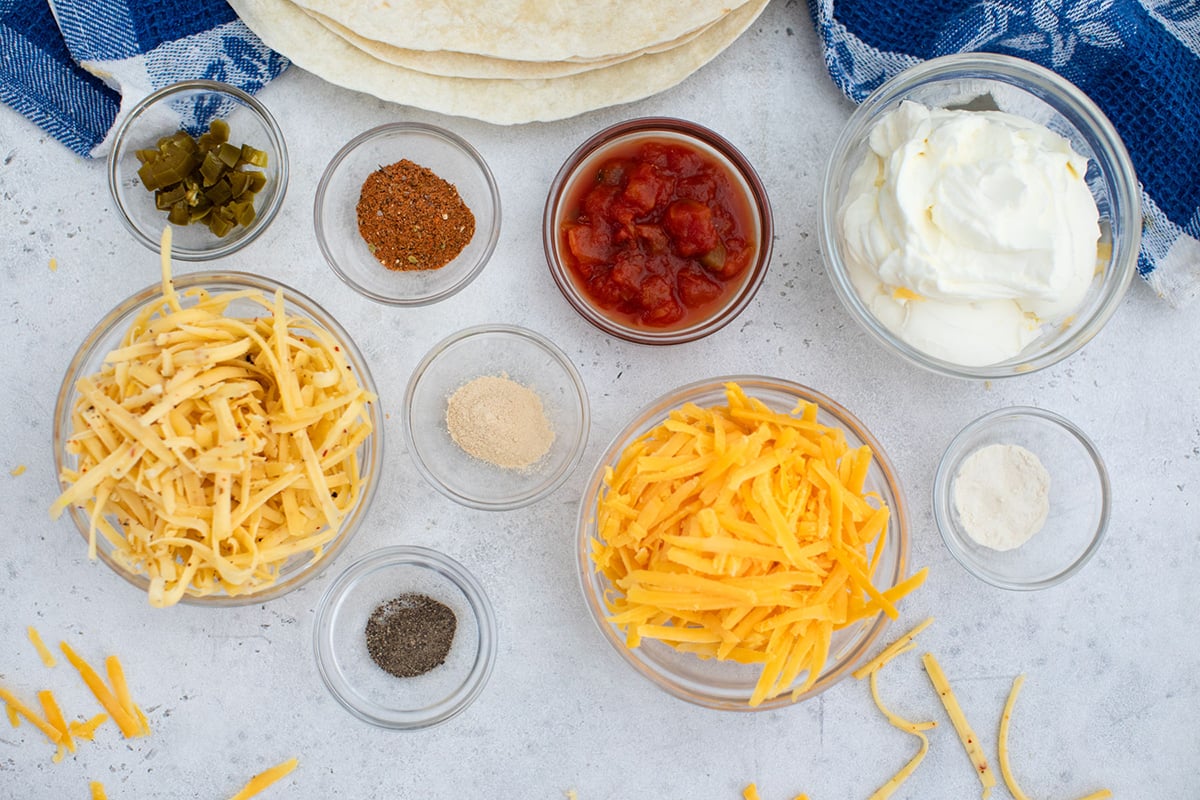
411, 219
410, 634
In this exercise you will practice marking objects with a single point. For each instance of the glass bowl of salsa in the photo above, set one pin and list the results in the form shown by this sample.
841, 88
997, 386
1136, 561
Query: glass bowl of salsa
657, 231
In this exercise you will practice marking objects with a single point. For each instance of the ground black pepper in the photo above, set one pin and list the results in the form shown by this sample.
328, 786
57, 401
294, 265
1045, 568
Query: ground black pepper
411, 219
410, 634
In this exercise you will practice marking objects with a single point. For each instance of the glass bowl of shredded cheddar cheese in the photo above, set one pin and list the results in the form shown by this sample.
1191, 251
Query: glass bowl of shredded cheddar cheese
217, 438
743, 542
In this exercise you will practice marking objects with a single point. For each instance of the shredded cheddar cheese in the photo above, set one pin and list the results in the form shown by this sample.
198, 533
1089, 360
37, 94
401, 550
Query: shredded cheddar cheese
750, 792
969, 740
42, 651
129, 723
16, 706
738, 532
17, 471
265, 778
98, 792
212, 450
87, 730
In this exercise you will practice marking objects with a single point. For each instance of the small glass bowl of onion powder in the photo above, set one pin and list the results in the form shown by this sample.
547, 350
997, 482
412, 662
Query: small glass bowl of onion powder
496, 417
1022, 498
405, 638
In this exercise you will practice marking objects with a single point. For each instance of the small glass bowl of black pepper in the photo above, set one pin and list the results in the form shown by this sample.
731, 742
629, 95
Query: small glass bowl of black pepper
496, 417
405, 638
417, 196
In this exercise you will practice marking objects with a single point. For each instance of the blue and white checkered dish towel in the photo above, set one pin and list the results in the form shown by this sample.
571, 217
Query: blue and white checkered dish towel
1138, 60
72, 66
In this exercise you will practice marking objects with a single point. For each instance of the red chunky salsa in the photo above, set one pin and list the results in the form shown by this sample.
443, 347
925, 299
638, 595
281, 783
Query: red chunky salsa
661, 235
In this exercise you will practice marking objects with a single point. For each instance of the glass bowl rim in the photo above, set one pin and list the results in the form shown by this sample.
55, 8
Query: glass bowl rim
542, 343
956, 450
385, 131
656, 410
429, 559
1021, 74
264, 216
733, 158
91, 347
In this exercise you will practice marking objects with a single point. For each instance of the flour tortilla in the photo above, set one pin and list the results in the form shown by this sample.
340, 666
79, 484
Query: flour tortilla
524, 30
452, 64
284, 27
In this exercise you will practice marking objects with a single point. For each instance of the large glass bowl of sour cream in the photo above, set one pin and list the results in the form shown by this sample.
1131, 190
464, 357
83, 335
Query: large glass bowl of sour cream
981, 216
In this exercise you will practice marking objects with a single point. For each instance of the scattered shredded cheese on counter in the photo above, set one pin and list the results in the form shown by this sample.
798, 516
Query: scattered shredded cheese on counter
42, 651
969, 740
18, 470
265, 778
128, 720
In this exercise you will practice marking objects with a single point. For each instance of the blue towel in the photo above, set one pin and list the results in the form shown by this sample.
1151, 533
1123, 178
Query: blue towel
73, 68
1139, 61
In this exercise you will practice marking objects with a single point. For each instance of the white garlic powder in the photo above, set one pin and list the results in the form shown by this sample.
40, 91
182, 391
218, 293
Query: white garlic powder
1002, 495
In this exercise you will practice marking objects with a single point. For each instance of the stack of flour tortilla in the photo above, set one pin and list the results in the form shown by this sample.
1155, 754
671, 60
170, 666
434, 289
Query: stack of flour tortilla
501, 61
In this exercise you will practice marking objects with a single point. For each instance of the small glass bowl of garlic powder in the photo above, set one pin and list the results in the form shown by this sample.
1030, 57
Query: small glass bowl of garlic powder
1022, 498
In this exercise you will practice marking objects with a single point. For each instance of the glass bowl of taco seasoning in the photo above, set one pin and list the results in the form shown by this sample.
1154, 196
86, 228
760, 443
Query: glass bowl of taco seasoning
496, 417
204, 157
405, 638
657, 231
407, 213
1022, 498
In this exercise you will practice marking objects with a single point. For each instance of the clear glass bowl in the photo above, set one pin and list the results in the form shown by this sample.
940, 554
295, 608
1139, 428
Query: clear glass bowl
582, 165
107, 335
364, 688
524, 356
1080, 499
335, 216
1027, 90
727, 685
190, 105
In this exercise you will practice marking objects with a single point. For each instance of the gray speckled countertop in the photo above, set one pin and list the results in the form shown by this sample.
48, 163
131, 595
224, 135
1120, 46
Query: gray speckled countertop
1111, 657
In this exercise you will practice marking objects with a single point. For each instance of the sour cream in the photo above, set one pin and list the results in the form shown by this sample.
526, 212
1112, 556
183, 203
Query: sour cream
965, 231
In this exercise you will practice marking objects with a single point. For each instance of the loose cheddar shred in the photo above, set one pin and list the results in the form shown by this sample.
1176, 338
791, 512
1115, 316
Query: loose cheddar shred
87, 730
738, 532
42, 651
264, 779
128, 723
1103, 794
55, 717
116, 676
212, 449
14, 718
98, 791
15, 705
969, 740
750, 792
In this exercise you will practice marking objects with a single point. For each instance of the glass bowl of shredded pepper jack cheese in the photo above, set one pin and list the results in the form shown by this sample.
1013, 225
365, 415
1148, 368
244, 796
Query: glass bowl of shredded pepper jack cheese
407, 213
217, 438
205, 156
743, 542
